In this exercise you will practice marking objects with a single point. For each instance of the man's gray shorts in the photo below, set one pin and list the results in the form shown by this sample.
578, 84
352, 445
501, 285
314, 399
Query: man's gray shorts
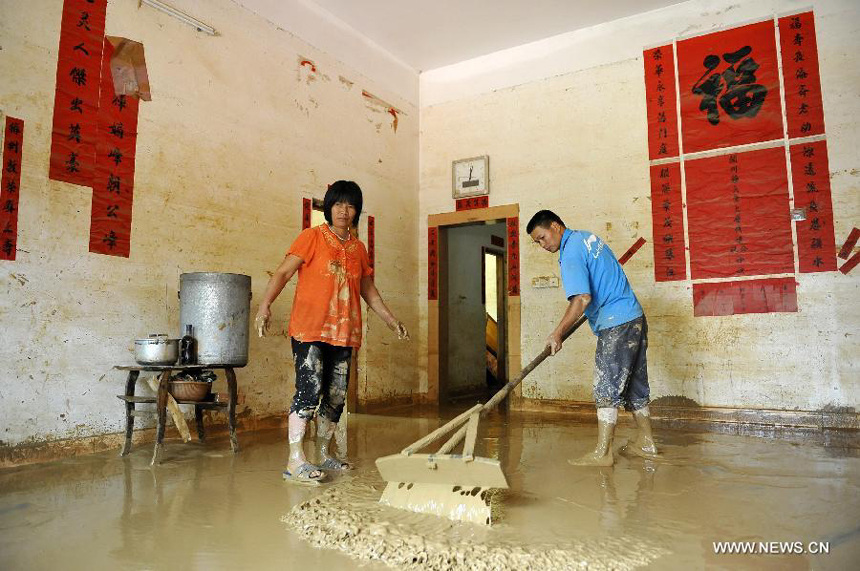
620, 368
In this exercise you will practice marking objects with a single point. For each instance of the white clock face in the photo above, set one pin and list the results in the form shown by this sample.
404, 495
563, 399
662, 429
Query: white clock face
470, 177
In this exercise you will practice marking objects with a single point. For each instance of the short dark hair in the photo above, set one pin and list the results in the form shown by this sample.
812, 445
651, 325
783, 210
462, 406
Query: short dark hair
342, 191
543, 218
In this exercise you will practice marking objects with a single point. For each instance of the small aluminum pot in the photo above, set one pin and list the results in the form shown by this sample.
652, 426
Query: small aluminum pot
156, 349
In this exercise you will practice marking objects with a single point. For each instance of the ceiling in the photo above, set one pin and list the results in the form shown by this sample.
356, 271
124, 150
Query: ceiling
428, 34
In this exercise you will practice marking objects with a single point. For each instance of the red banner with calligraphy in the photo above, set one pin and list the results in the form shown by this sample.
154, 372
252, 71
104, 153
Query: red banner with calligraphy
76, 101
514, 256
433, 262
307, 206
13, 150
472, 203
660, 102
729, 88
747, 296
113, 183
738, 215
667, 215
371, 240
803, 108
816, 238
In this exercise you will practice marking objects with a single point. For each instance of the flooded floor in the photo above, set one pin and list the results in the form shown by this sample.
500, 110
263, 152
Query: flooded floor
203, 508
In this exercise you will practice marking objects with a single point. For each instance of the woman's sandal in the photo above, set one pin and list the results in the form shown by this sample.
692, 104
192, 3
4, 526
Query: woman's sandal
303, 477
334, 465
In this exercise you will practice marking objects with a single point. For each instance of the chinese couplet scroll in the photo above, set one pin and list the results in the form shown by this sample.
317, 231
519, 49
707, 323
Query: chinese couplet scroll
729, 161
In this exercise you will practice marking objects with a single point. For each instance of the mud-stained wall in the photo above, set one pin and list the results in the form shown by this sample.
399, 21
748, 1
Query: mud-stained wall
577, 143
238, 131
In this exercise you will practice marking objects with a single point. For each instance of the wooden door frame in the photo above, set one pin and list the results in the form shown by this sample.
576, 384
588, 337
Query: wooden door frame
436, 326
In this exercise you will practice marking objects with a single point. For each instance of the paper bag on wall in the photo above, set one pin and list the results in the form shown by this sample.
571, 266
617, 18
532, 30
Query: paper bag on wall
128, 67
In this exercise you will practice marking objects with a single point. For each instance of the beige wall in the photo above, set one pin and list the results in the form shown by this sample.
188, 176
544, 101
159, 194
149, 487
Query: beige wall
236, 134
576, 142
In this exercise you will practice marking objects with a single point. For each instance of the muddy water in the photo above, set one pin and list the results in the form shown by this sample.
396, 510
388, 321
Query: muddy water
204, 509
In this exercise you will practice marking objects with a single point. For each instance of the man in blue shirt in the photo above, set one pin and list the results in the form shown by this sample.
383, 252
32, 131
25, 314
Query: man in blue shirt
595, 285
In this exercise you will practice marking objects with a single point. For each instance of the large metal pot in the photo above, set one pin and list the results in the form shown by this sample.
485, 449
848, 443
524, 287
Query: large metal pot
217, 306
156, 349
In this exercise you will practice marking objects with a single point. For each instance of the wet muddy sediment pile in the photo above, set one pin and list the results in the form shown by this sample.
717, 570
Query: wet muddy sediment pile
347, 517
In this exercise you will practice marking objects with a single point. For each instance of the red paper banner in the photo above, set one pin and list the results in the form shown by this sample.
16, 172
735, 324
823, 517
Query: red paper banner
371, 241
729, 87
849, 244
113, 184
631, 250
670, 257
850, 264
738, 215
13, 150
432, 263
747, 296
803, 108
307, 206
816, 239
660, 102
472, 203
514, 256
76, 101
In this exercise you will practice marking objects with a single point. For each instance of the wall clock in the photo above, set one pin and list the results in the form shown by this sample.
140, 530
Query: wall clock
471, 177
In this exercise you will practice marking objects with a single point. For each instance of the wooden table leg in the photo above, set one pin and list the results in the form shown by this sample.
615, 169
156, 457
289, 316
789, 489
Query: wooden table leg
198, 414
161, 404
130, 383
231, 407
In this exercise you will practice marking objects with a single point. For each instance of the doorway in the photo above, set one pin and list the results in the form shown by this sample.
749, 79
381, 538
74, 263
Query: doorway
473, 313
472, 336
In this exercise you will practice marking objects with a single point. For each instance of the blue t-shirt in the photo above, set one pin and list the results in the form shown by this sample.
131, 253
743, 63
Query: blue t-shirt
589, 266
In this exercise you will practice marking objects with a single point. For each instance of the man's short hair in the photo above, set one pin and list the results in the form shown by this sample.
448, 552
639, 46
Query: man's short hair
343, 191
543, 218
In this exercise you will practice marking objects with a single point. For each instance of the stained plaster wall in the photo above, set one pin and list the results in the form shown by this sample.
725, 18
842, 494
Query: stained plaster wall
236, 134
467, 321
574, 140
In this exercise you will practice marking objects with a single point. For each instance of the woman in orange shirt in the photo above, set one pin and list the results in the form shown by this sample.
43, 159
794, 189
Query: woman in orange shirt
325, 324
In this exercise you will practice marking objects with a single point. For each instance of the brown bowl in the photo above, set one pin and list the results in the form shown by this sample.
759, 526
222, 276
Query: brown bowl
189, 390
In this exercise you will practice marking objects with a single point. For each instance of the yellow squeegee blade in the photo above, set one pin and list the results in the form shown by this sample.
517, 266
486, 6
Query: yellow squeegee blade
444, 500
452, 486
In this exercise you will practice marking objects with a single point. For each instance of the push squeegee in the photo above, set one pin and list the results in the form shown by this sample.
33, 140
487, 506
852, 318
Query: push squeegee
456, 486
451, 485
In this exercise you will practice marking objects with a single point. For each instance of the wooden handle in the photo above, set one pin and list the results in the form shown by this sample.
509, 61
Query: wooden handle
441, 431
500, 396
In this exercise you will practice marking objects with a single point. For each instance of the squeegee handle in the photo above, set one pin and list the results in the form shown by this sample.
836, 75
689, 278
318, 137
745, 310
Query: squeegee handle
505, 390
500, 396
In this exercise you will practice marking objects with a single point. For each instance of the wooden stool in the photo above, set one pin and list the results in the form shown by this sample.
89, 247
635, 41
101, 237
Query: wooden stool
161, 403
